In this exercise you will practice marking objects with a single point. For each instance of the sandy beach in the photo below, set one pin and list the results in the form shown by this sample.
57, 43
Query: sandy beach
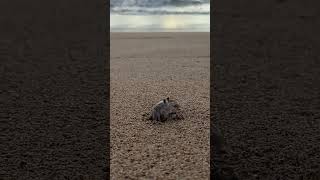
266, 87
145, 68
53, 91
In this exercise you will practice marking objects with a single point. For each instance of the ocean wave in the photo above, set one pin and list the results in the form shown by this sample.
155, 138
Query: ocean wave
156, 3
169, 9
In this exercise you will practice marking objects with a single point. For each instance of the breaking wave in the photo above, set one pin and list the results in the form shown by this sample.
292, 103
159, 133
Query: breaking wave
160, 6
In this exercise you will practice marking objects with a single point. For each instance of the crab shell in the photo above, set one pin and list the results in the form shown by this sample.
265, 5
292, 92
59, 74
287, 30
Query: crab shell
164, 110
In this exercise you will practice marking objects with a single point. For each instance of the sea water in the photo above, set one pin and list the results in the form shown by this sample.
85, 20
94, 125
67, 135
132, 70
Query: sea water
159, 15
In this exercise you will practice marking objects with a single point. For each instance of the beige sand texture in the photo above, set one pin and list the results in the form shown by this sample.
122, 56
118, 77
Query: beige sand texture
146, 67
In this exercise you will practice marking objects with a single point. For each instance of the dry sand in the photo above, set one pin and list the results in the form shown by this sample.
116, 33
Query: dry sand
52, 91
146, 67
266, 79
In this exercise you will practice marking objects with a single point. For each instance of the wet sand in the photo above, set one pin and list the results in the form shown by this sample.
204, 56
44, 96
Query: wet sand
146, 67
